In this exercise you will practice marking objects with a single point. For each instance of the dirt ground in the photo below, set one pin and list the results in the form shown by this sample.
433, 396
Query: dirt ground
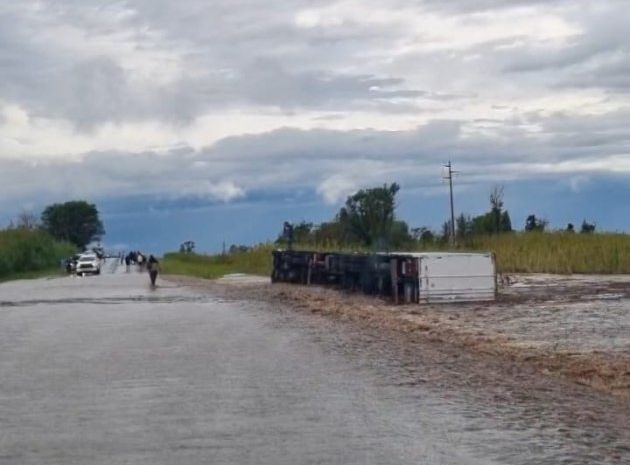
575, 327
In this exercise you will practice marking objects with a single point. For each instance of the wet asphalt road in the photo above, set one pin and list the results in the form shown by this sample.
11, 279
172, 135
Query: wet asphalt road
105, 370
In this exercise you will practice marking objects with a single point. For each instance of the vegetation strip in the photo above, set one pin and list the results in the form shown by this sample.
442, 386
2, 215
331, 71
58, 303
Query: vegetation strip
557, 253
26, 253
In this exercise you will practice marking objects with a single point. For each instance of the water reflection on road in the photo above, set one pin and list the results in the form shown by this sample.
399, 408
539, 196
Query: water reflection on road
104, 370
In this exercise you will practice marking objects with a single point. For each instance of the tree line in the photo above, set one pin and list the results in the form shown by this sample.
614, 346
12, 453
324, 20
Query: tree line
368, 219
76, 222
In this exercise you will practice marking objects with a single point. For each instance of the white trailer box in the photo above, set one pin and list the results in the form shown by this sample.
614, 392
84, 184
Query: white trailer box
456, 277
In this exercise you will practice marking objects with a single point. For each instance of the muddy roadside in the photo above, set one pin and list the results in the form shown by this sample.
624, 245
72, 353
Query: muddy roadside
573, 327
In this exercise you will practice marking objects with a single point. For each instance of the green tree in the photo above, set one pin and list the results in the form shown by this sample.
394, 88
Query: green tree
587, 228
423, 234
369, 216
400, 235
329, 233
446, 231
187, 247
302, 234
505, 224
497, 220
533, 224
76, 222
463, 227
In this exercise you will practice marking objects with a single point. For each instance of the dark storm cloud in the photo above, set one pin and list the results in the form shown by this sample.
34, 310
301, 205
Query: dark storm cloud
326, 161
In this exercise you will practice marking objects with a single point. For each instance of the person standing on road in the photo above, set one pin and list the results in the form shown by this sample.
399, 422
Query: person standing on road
154, 267
140, 260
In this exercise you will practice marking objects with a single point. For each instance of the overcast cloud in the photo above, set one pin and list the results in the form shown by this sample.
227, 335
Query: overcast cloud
227, 99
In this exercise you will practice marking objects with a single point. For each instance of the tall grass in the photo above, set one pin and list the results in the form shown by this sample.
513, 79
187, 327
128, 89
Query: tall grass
560, 253
29, 252
257, 261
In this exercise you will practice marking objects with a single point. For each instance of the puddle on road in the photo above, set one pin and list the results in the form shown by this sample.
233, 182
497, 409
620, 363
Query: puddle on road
170, 299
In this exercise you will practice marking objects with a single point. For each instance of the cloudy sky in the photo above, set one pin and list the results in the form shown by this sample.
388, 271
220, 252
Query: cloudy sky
217, 120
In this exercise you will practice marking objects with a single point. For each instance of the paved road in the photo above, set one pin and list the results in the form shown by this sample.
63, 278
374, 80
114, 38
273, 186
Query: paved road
105, 370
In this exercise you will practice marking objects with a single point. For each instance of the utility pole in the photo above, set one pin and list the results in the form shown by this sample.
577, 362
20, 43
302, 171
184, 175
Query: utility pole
450, 185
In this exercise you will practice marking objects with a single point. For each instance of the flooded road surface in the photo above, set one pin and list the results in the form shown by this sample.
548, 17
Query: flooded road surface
105, 370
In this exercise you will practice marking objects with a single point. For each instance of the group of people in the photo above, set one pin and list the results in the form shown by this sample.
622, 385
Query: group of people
151, 264
132, 258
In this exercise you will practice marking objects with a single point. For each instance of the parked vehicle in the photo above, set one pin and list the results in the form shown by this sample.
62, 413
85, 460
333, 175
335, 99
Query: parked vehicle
88, 263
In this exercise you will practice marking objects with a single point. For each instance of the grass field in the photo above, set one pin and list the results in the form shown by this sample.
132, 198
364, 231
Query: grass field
257, 261
559, 253
26, 254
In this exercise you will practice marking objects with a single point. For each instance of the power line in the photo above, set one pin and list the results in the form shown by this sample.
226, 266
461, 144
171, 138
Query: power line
450, 185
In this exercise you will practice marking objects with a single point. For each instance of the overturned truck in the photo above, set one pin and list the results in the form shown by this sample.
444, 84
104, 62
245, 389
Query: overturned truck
405, 277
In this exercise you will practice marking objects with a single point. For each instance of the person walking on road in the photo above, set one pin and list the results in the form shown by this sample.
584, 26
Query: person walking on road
153, 266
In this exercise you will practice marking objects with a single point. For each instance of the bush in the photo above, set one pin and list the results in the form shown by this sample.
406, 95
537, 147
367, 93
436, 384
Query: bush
26, 251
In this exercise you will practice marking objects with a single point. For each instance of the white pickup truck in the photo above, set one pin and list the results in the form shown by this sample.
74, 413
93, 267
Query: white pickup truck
88, 263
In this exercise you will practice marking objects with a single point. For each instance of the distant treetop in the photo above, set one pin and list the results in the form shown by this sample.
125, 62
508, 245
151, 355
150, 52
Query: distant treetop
76, 222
